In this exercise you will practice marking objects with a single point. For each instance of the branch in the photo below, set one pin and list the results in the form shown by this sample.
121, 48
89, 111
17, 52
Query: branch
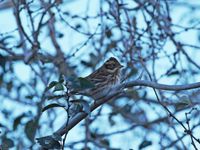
161, 86
80, 116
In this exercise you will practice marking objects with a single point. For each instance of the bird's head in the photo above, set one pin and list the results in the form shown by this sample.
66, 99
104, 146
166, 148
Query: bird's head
112, 65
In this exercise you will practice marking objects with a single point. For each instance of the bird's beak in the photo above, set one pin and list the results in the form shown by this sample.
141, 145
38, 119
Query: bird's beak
121, 66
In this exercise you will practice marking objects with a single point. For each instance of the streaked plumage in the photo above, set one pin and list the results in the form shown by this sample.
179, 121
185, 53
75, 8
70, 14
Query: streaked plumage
104, 78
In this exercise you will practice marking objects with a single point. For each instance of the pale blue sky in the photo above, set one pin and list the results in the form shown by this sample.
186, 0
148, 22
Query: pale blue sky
70, 41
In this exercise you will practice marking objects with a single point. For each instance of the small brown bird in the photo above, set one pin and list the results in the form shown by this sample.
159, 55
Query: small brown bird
104, 79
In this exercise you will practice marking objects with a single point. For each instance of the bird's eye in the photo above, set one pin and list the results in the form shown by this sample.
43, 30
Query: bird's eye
110, 66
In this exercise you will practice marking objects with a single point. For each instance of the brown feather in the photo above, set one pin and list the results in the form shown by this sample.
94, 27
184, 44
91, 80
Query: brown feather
104, 79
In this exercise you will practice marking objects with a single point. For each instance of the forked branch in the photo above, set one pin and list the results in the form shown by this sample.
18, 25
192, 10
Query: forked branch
74, 121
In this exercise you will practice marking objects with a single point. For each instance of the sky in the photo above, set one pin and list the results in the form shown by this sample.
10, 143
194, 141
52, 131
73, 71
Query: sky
23, 72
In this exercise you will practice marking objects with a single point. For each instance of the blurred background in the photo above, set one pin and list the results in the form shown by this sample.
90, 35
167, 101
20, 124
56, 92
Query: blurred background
157, 40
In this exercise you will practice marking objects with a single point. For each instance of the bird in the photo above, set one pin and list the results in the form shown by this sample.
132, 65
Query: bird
104, 79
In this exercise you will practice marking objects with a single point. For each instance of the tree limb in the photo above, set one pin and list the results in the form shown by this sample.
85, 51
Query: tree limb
74, 121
